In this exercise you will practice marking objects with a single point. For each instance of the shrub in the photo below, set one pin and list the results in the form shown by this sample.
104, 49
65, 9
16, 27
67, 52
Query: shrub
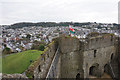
6, 50
41, 47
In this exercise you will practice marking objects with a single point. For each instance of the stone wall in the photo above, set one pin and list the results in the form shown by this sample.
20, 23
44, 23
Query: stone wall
39, 68
118, 57
103, 56
76, 57
71, 57
98, 52
79, 57
13, 76
100, 41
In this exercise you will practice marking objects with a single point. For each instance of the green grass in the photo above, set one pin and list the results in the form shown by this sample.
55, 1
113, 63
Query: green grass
0, 64
18, 63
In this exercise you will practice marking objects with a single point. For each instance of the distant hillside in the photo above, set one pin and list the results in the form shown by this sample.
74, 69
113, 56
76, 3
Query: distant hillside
46, 24
50, 24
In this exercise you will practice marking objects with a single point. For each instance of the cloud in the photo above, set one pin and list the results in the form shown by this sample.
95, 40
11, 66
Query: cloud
58, 10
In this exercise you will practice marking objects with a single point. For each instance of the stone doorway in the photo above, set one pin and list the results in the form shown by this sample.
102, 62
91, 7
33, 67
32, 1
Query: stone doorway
93, 70
78, 76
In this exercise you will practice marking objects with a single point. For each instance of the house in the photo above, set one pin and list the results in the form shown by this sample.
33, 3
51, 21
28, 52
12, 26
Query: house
18, 50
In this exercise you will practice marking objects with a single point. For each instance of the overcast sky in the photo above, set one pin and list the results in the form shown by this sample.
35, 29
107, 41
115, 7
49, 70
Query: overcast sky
104, 11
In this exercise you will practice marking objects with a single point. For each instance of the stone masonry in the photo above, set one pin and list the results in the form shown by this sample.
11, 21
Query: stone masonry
86, 57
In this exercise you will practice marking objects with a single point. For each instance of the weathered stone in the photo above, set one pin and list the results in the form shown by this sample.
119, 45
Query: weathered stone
85, 57
17, 76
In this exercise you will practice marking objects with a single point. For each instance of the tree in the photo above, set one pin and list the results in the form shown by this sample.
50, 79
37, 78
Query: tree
34, 46
41, 47
28, 36
6, 50
38, 46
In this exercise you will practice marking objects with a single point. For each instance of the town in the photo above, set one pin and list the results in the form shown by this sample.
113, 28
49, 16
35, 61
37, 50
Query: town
43, 50
20, 39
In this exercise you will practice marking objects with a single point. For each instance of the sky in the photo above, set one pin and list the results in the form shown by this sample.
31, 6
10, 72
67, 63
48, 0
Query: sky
103, 11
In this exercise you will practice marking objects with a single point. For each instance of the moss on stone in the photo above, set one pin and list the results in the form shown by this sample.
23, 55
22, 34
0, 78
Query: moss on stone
33, 66
50, 43
45, 49
29, 75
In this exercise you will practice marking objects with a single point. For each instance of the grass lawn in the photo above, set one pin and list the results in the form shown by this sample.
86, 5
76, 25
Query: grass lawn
19, 62
0, 64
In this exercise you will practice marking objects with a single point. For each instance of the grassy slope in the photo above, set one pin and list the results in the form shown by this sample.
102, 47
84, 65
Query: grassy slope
18, 63
0, 64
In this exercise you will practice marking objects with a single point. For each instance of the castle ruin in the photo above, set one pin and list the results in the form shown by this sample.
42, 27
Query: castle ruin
65, 57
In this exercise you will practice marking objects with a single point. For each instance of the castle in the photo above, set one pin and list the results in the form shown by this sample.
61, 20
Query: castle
66, 57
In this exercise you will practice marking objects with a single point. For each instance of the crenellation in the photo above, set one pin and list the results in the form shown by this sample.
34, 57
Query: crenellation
100, 41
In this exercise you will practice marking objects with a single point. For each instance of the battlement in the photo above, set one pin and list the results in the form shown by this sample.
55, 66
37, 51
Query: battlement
99, 41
